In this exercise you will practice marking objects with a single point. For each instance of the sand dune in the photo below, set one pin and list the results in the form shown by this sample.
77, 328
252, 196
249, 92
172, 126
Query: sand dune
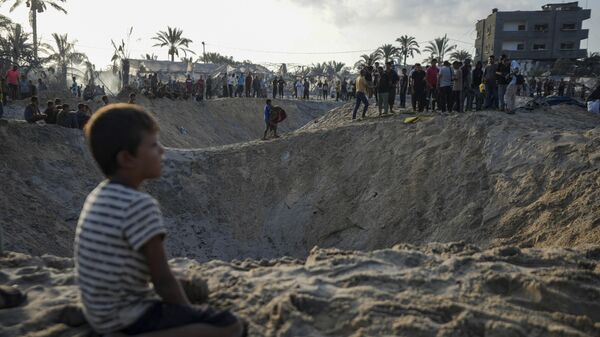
486, 178
374, 195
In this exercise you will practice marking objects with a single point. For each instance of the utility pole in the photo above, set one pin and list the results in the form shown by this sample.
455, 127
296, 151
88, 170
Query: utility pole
203, 51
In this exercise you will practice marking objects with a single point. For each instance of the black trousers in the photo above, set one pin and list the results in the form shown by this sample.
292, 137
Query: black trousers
392, 97
403, 97
419, 99
445, 99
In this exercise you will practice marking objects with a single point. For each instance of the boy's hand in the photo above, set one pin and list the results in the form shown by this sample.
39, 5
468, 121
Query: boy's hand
164, 282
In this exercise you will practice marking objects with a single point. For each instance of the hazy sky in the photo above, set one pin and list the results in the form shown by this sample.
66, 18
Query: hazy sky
275, 31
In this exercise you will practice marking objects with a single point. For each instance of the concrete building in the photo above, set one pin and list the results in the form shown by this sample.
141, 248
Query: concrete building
539, 36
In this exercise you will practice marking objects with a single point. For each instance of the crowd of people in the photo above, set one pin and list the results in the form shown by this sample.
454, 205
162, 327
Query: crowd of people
454, 87
59, 113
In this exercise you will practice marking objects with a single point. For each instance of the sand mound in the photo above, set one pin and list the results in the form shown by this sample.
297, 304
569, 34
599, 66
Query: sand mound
438, 290
486, 178
190, 124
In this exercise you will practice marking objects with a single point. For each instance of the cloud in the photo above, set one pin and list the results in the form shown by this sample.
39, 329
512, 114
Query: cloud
410, 12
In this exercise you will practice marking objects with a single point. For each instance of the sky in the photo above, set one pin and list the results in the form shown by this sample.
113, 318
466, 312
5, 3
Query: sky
269, 32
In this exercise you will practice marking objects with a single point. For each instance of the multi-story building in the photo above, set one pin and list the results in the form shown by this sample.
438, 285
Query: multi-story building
553, 33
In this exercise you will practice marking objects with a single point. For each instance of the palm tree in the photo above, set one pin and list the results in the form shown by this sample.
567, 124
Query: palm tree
173, 38
121, 55
368, 60
216, 58
63, 55
388, 51
408, 46
460, 55
333, 67
35, 7
16, 45
5, 22
90, 74
440, 47
150, 57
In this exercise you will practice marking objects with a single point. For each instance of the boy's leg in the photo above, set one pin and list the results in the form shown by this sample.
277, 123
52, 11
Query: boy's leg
164, 319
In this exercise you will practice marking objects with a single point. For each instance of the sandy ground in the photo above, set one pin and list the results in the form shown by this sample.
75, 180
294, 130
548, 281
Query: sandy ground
215, 122
486, 178
437, 290
373, 195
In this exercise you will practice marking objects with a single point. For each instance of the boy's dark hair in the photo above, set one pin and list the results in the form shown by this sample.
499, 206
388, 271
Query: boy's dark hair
50, 103
268, 101
115, 128
34, 99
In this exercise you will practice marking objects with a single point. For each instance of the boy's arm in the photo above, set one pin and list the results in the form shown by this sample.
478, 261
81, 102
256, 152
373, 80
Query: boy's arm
165, 284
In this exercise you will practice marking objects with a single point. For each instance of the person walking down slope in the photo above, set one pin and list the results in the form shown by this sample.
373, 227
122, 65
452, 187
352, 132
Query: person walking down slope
267, 114
361, 94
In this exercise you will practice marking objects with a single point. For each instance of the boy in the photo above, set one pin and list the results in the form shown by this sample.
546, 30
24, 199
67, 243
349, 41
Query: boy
119, 239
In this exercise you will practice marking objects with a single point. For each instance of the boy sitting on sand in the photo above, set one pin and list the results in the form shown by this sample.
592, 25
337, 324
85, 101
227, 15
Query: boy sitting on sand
119, 239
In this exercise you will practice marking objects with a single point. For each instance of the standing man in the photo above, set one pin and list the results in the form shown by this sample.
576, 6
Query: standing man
457, 86
248, 84
502, 73
445, 87
208, 87
281, 84
306, 89
432, 84
275, 87
467, 92
419, 84
200, 89
383, 90
12, 78
256, 87
491, 84
477, 79
394, 79
403, 88
361, 94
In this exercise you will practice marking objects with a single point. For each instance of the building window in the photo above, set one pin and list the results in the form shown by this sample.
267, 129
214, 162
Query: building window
569, 26
515, 26
543, 27
513, 45
539, 46
567, 46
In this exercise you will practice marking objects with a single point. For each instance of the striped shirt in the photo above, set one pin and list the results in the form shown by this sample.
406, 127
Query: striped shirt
112, 273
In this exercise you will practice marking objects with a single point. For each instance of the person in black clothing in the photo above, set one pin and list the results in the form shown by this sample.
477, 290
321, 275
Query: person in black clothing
208, 87
418, 87
275, 88
477, 79
32, 112
50, 113
394, 79
306, 89
502, 73
281, 84
403, 88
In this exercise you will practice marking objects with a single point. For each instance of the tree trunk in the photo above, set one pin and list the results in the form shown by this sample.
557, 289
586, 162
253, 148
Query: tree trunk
34, 28
125, 67
173, 57
63, 69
